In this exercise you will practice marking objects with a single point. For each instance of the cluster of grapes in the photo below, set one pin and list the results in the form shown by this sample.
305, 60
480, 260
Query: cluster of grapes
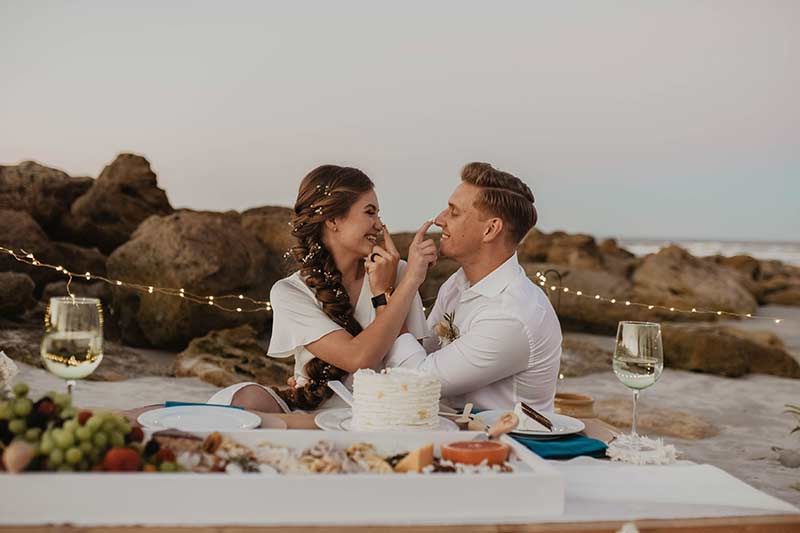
65, 439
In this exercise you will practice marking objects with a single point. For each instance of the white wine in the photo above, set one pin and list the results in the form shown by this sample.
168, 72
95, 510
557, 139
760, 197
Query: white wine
72, 354
637, 372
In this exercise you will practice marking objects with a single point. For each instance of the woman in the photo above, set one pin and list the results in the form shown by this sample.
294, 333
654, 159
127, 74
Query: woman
334, 315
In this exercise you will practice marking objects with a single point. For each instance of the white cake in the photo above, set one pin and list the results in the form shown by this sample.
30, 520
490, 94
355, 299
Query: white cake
395, 399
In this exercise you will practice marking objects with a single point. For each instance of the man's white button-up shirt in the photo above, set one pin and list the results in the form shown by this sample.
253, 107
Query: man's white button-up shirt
509, 343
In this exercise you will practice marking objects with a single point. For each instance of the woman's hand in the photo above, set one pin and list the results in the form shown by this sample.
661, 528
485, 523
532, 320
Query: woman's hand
421, 254
381, 265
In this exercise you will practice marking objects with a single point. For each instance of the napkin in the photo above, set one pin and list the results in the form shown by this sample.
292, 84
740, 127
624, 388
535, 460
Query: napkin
170, 403
564, 447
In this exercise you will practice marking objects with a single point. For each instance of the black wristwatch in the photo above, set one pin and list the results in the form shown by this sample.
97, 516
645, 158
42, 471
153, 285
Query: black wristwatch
381, 299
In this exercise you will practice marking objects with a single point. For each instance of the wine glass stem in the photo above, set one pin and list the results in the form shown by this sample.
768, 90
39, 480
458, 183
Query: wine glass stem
70, 386
633, 422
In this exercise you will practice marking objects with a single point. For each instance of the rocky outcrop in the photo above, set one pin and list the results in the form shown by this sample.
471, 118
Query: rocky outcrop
123, 196
726, 351
17, 294
231, 356
655, 421
270, 225
206, 253
577, 251
580, 357
770, 282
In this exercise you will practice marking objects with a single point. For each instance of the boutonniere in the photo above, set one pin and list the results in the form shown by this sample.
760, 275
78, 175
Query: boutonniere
446, 329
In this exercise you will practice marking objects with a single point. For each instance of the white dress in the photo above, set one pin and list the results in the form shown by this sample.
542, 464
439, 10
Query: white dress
298, 320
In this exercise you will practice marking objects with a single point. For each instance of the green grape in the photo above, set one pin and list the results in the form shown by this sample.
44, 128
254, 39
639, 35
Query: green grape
109, 425
55, 458
63, 438
94, 423
5, 411
168, 466
125, 427
100, 440
23, 406
117, 439
21, 390
68, 413
32, 435
46, 445
86, 447
84, 434
73, 456
61, 399
17, 426
71, 425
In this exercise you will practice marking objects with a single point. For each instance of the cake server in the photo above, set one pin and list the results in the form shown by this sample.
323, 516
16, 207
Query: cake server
341, 391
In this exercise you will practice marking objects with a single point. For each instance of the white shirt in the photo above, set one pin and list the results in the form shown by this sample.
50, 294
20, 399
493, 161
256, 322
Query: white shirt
298, 319
509, 348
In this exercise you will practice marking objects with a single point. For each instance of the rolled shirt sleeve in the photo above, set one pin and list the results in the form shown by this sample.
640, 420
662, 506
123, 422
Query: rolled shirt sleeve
494, 348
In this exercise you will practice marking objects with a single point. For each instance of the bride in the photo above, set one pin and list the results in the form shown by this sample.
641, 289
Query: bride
349, 298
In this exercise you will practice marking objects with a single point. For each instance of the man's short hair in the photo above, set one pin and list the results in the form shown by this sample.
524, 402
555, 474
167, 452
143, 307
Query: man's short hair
502, 195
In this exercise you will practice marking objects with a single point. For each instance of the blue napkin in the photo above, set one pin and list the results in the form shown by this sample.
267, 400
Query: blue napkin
169, 403
564, 447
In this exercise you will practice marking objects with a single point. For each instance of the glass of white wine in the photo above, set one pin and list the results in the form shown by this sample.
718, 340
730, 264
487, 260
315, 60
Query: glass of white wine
72, 346
638, 358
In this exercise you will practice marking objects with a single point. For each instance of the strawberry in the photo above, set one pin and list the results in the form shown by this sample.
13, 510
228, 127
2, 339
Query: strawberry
83, 416
121, 460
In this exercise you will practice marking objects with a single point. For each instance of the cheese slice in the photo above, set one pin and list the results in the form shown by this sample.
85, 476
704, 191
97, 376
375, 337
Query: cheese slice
527, 423
417, 460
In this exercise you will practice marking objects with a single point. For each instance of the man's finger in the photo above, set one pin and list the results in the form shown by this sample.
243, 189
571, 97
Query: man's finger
422, 231
389, 242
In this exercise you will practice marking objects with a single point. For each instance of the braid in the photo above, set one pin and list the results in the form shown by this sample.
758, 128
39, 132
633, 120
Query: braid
325, 193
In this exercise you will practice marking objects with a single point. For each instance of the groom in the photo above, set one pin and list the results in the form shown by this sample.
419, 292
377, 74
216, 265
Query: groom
497, 338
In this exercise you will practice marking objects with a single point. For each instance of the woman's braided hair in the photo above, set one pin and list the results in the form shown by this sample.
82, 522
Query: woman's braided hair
326, 192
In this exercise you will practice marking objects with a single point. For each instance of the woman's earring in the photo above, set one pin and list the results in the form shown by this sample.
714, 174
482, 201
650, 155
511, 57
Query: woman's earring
335, 229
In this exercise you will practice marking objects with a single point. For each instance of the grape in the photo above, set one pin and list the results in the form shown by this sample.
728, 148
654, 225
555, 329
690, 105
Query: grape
73, 456
94, 423
46, 445
21, 390
62, 400
117, 440
32, 435
109, 425
55, 458
84, 434
86, 447
168, 466
100, 440
17, 426
71, 425
22, 406
68, 412
5, 411
63, 438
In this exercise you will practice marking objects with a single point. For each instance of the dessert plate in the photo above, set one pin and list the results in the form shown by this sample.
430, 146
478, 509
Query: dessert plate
340, 420
562, 424
199, 418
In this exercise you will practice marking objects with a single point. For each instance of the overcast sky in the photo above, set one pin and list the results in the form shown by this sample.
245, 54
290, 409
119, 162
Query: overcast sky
661, 119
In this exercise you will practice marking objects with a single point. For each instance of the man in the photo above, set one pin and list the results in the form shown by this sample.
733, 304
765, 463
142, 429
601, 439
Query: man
499, 340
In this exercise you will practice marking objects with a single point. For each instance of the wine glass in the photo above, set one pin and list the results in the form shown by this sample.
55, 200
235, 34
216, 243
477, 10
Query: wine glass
638, 358
72, 346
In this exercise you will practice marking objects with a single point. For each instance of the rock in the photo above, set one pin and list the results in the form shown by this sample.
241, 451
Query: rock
270, 225
618, 412
578, 251
675, 278
123, 196
119, 362
231, 356
17, 293
97, 289
788, 458
726, 351
44, 193
208, 254
580, 357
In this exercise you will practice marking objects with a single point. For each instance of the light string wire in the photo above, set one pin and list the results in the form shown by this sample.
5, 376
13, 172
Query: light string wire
252, 305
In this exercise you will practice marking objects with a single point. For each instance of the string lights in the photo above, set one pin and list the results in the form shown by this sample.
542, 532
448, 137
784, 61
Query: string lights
542, 279
246, 304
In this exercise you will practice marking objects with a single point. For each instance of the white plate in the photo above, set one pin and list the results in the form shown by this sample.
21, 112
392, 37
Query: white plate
339, 420
199, 418
562, 424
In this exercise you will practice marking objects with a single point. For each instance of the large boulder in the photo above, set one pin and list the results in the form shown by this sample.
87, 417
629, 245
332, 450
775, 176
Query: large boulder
577, 251
675, 278
270, 225
206, 253
770, 281
44, 193
123, 196
17, 294
232, 356
726, 351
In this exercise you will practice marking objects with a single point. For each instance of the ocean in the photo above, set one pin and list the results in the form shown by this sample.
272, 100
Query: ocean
788, 252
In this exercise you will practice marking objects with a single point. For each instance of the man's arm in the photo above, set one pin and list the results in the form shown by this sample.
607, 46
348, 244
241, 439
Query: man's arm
493, 349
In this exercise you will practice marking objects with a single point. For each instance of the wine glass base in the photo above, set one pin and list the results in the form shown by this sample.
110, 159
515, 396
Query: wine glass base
640, 450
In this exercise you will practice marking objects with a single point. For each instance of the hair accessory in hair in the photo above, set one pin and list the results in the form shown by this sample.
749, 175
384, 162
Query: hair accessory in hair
318, 210
326, 189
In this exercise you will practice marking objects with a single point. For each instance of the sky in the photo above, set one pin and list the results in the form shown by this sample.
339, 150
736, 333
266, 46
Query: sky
632, 119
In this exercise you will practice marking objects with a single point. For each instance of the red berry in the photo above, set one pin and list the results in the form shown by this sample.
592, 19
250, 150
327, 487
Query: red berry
136, 435
83, 416
121, 460
165, 455
46, 407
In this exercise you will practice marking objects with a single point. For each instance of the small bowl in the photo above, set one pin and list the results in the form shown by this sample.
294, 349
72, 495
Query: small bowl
574, 405
474, 452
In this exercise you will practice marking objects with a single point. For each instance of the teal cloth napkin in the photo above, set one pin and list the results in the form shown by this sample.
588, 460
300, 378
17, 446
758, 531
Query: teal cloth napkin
169, 403
564, 447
